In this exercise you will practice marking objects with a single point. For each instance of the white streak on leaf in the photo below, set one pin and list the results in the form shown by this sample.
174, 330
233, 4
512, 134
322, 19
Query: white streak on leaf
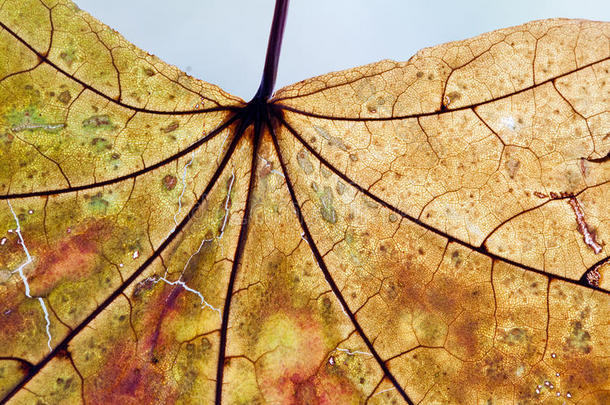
25, 280
268, 163
382, 391
352, 353
186, 166
31, 127
226, 217
203, 241
181, 283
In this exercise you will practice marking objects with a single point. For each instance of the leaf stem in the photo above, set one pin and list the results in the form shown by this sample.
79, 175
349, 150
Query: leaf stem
273, 50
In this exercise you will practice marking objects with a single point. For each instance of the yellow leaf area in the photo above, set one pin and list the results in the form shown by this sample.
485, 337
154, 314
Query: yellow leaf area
433, 231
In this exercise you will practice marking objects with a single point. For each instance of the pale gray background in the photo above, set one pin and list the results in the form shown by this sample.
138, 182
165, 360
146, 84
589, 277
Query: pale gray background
224, 41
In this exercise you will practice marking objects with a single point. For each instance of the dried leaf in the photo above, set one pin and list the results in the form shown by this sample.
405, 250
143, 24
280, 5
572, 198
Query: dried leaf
425, 231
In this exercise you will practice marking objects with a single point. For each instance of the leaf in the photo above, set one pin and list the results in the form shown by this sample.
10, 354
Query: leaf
426, 231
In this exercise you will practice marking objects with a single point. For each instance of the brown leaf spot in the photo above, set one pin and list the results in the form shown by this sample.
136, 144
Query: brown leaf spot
579, 338
266, 168
143, 286
100, 144
304, 162
455, 258
97, 121
584, 168
332, 140
327, 306
513, 337
512, 165
64, 97
68, 57
494, 368
148, 71
540, 195
171, 127
340, 187
324, 172
453, 97
326, 209
169, 182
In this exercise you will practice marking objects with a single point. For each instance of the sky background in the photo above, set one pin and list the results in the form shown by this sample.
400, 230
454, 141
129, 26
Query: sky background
224, 41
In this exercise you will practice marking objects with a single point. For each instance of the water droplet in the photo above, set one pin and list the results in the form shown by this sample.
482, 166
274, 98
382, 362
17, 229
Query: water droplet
3, 241
121, 265
331, 361
558, 394
30, 211
136, 254
568, 395
537, 390
547, 383
10, 231
553, 355
556, 374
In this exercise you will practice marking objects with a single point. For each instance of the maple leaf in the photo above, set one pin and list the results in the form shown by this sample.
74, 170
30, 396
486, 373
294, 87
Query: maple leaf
425, 231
